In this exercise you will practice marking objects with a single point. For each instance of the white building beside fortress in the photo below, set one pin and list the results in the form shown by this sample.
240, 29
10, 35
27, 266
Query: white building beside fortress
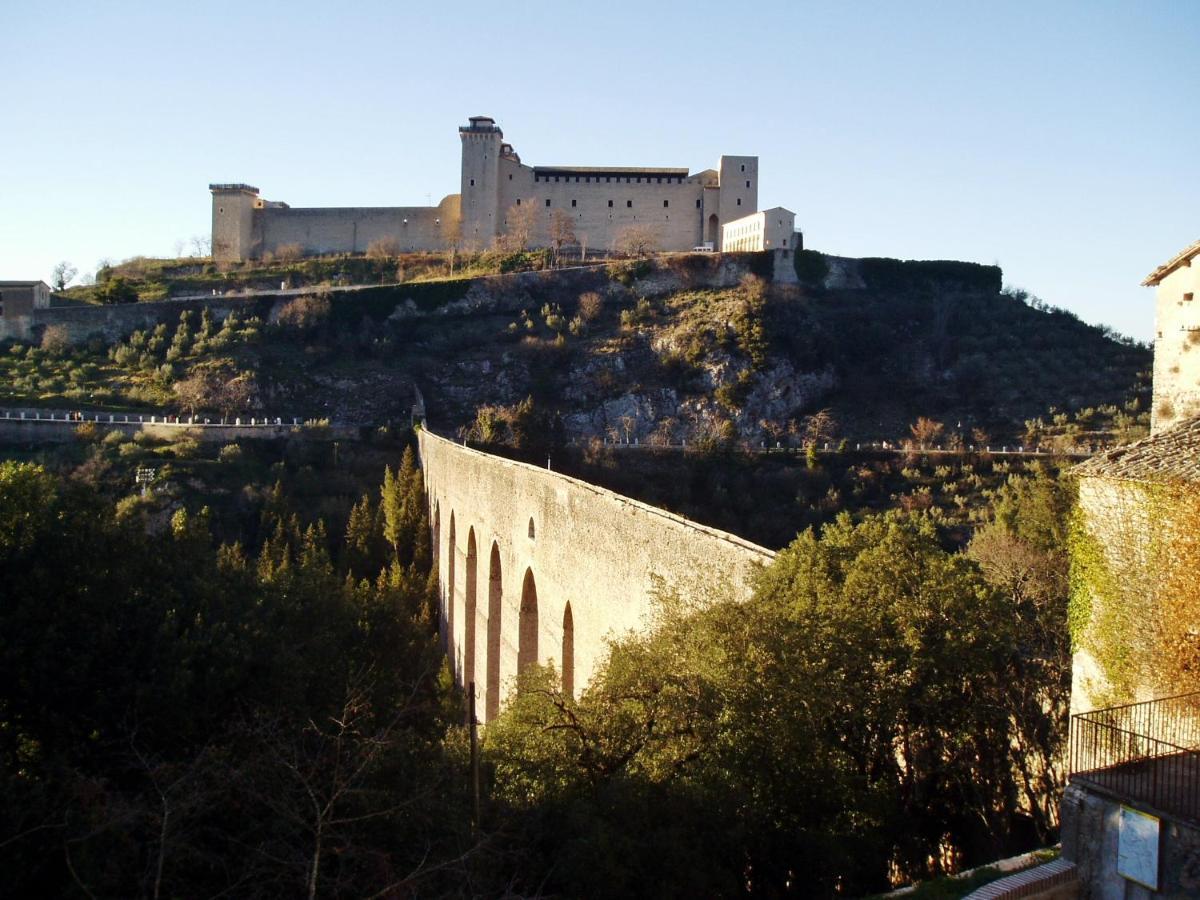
681, 210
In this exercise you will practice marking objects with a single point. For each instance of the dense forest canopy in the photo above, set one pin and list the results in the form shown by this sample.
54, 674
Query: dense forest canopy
268, 712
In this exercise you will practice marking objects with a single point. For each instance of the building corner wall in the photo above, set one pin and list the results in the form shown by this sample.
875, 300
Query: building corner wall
1176, 391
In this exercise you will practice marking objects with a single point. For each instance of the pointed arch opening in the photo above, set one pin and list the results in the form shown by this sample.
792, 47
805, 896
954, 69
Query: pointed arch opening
495, 600
437, 534
469, 611
527, 630
714, 231
450, 554
568, 653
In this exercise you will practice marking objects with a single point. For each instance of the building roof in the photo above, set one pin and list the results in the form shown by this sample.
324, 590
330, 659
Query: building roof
233, 187
1172, 455
606, 170
1182, 258
12, 284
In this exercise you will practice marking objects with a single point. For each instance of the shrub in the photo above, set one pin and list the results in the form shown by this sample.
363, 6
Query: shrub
230, 453
811, 267
383, 248
289, 253
56, 340
305, 313
591, 305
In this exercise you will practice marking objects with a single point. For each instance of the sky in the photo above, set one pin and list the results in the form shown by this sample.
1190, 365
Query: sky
1058, 140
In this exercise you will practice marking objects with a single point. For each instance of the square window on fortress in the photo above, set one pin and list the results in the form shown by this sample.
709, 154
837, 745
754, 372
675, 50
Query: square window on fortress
747, 184
666, 203
629, 204
572, 202
610, 204
739, 202
548, 201
697, 203
518, 201
472, 182
1187, 298
743, 168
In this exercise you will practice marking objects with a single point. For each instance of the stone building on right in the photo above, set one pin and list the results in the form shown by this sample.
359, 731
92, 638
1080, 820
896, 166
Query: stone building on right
1131, 811
1176, 338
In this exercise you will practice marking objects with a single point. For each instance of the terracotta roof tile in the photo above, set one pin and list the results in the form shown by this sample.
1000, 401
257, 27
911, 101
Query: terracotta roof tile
1172, 455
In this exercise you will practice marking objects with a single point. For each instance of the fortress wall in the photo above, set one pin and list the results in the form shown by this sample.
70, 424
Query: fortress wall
594, 549
679, 224
352, 229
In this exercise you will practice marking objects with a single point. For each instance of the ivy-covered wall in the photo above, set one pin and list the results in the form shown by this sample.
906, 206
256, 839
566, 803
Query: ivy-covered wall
1134, 611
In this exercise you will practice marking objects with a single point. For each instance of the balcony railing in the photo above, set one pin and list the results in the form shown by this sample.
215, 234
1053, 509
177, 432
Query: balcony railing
1142, 752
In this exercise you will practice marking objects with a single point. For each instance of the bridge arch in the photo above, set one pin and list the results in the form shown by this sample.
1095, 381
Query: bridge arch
469, 614
568, 652
495, 604
527, 627
451, 552
436, 549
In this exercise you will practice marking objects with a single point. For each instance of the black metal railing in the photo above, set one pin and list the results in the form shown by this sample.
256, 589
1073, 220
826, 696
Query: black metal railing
1147, 752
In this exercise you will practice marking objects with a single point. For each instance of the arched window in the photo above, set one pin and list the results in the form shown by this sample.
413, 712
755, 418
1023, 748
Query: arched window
527, 633
568, 653
469, 612
495, 599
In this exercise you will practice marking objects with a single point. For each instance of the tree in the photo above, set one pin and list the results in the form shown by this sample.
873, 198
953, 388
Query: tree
197, 391
116, 289
562, 232
820, 427
591, 304
56, 340
518, 226
63, 272
925, 431
636, 241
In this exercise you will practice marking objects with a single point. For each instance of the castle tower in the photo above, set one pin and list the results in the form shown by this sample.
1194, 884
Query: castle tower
739, 189
482, 141
233, 208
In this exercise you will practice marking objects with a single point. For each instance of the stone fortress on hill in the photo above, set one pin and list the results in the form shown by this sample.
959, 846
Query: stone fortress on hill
716, 209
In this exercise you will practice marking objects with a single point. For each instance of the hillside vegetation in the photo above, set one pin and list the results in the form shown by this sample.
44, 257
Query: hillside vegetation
664, 352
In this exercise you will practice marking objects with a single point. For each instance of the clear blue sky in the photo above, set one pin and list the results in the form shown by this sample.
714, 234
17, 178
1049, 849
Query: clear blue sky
1057, 139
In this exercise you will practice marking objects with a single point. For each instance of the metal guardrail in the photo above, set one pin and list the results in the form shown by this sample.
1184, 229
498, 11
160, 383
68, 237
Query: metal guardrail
1147, 752
31, 416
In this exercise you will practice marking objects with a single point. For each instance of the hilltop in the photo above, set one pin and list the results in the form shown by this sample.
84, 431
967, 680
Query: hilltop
678, 349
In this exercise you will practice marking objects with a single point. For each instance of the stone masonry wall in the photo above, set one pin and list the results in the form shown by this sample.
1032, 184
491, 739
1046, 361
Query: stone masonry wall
1090, 832
581, 546
1176, 349
353, 229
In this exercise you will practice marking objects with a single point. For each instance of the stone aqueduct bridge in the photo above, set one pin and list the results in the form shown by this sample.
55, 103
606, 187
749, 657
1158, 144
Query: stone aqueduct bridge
534, 566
